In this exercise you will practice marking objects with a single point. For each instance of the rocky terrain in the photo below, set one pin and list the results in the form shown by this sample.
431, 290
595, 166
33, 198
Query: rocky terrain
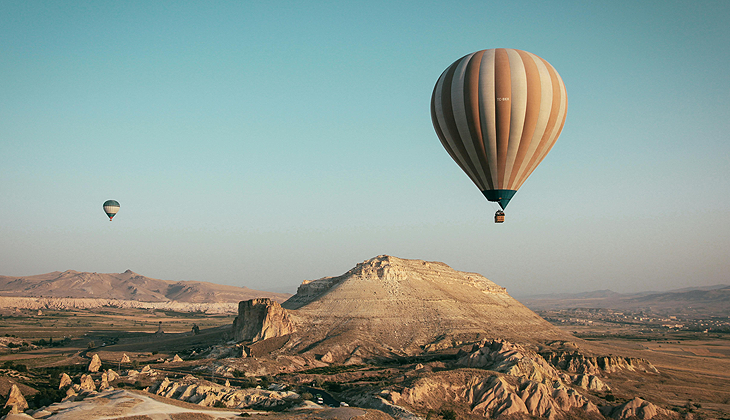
392, 338
492, 379
76, 290
481, 350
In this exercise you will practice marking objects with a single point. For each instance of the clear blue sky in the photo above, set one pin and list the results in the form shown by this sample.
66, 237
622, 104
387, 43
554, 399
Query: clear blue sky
260, 144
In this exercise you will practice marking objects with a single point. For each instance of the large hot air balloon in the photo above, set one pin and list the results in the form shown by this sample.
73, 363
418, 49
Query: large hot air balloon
498, 113
111, 207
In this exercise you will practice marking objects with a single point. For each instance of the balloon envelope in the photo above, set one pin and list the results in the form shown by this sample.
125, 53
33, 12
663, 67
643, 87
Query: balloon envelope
498, 112
111, 207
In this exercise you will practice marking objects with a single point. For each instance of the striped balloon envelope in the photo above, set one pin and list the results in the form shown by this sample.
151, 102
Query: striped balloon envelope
498, 112
111, 207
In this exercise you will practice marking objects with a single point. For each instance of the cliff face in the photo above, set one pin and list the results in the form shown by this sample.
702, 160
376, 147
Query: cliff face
78, 303
260, 319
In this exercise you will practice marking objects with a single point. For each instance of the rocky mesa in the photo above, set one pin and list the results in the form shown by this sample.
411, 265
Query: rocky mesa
462, 344
392, 306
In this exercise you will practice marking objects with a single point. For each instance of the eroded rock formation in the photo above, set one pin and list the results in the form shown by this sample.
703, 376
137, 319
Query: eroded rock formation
594, 365
515, 360
65, 381
16, 400
94, 364
510, 358
104, 384
261, 319
196, 391
497, 378
518, 381
87, 383
637, 409
494, 395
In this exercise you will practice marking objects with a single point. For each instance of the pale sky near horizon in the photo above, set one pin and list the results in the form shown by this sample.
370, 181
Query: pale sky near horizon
260, 144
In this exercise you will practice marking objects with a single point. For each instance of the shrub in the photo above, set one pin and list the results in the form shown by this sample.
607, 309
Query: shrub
448, 414
246, 382
332, 386
46, 396
8, 364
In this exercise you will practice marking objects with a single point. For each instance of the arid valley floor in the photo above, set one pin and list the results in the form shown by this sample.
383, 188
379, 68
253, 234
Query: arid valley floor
684, 372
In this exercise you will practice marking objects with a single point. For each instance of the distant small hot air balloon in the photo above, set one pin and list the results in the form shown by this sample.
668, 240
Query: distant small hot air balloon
111, 207
498, 113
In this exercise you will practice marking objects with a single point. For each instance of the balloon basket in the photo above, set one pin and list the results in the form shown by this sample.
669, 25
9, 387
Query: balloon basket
499, 216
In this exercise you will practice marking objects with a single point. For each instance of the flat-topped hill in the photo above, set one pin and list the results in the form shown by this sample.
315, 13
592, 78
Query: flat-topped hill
394, 305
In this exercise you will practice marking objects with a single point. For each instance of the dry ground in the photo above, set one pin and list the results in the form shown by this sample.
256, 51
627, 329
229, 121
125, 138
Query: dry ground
77, 324
99, 329
694, 370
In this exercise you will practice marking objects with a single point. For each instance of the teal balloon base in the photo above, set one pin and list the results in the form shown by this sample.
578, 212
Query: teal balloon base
500, 196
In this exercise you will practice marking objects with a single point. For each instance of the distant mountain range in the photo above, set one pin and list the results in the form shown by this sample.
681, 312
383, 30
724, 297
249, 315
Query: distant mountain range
132, 287
127, 286
706, 300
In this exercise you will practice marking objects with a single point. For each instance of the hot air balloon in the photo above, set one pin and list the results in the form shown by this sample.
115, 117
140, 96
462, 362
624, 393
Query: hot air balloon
111, 207
498, 112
